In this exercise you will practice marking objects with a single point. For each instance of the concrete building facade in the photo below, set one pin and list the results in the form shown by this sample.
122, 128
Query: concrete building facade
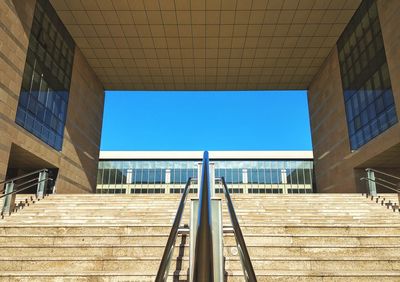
345, 53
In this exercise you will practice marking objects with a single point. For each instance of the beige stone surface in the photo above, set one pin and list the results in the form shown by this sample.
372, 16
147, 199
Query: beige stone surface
329, 129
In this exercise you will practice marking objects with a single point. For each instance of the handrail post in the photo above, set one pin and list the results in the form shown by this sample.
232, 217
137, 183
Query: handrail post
371, 182
42, 184
203, 267
9, 200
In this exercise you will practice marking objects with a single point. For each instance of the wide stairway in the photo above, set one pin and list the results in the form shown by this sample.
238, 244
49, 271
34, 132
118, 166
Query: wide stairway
313, 237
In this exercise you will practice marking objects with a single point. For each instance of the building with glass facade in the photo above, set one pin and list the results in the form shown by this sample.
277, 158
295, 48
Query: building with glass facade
57, 57
368, 96
167, 172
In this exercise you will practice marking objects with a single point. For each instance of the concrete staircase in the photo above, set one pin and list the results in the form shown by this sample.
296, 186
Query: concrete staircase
313, 237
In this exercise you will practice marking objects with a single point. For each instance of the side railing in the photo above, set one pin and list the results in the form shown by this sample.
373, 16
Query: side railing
162, 273
375, 177
38, 178
247, 266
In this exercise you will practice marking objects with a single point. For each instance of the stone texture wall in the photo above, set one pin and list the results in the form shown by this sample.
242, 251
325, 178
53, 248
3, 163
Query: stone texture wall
329, 128
389, 11
77, 162
78, 166
15, 23
337, 168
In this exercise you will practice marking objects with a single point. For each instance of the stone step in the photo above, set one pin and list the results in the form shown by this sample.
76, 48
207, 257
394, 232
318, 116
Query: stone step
267, 275
149, 265
242, 219
253, 214
241, 212
233, 195
137, 229
377, 209
138, 250
257, 201
276, 204
152, 239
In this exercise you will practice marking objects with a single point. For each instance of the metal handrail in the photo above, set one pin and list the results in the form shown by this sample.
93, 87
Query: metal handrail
377, 182
248, 269
24, 188
162, 273
23, 176
203, 266
26, 182
384, 173
386, 181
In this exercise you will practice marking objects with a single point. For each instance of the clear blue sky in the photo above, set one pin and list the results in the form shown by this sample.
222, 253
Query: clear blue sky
206, 120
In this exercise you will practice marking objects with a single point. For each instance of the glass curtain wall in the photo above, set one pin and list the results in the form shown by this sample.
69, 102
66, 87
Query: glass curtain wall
154, 176
42, 105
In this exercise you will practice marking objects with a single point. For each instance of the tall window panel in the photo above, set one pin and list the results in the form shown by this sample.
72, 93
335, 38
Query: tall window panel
43, 101
368, 97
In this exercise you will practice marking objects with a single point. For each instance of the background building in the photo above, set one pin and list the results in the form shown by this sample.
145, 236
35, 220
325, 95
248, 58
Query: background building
250, 172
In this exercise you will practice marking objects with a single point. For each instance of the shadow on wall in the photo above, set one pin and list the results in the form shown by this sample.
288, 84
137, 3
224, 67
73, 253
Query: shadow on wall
82, 132
24, 10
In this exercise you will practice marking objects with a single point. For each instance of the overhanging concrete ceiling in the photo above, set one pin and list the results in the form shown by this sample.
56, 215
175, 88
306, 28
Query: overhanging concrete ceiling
205, 44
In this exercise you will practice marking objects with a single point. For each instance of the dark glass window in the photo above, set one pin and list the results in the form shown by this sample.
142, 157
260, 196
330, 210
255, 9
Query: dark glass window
137, 176
106, 176
100, 176
366, 83
253, 175
232, 175
145, 176
178, 176
113, 174
118, 179
43, 101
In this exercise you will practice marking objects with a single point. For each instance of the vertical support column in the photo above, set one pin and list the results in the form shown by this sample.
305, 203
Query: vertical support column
9, 200
167, 181
129, 178
284, 180
41, 189
199, 167
212, 179
245, 180
371, 182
